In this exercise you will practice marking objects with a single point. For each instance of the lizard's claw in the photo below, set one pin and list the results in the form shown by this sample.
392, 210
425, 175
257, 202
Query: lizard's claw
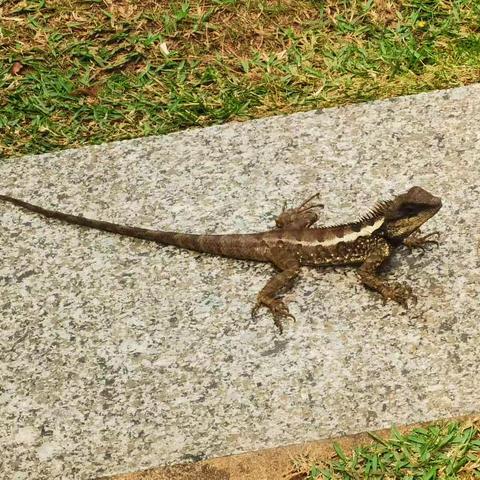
300, 217
421, 242
279, 310
398, 293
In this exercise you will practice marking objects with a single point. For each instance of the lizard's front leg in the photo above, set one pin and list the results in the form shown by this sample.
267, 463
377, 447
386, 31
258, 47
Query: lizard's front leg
303, 216
369, 277
267, 297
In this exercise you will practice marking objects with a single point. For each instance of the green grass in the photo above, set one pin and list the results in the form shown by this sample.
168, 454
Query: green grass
448, 451
94, 71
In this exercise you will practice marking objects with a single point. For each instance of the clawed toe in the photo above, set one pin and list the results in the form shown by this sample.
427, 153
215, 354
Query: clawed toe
278, 309
399, 293
426, 242
299, 217
422, 242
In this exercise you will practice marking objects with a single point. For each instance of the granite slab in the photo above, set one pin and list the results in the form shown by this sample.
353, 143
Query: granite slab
118, 354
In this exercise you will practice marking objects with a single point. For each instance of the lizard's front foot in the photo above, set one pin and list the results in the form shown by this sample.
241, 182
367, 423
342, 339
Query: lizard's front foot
414, 241
398, 293
277, 307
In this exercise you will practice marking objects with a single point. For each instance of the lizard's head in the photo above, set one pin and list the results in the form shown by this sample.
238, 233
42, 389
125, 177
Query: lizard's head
408, 211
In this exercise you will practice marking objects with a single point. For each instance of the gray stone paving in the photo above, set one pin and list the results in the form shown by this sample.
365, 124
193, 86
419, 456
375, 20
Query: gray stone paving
118, 354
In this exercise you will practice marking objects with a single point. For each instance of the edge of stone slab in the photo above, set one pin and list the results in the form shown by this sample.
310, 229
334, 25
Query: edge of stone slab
271, 463
446, 91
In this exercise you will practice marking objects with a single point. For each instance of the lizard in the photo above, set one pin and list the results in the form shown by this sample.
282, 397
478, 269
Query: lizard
367, 243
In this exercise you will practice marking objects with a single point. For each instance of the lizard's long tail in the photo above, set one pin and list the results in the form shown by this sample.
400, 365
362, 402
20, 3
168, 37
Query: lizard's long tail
242, 246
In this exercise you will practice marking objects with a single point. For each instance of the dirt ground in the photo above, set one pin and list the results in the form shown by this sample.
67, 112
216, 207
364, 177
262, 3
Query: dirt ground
268, 464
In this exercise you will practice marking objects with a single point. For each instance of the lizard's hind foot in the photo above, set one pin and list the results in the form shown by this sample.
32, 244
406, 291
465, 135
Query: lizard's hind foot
277, 307
303, 216
398, 292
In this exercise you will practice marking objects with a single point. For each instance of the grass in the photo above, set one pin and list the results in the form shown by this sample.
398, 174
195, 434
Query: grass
442, 451
76, 72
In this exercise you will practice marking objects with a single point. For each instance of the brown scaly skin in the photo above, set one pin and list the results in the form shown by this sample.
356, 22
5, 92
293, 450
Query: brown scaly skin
368, 242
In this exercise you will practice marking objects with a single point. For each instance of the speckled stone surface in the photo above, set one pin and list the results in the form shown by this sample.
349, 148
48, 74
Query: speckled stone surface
118, 354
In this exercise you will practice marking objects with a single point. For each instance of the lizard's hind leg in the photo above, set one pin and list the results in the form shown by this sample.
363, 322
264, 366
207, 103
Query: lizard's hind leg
267, 297
303, 216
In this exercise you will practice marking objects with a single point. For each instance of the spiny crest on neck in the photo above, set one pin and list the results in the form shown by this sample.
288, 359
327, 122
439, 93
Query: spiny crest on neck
371, 217
374, 217
376, 212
